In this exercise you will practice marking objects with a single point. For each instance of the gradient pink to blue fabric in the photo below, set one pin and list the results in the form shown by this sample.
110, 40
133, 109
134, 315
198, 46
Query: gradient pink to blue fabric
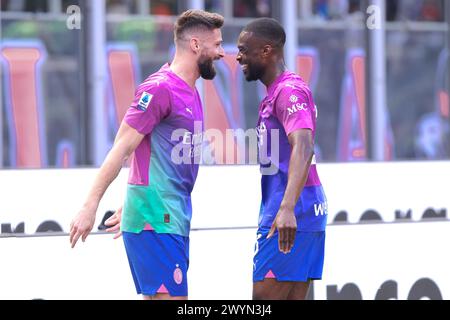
288, 106
159, 189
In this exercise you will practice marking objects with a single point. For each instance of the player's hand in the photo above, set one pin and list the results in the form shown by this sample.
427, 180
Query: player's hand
82, 225
286, 224
113, 223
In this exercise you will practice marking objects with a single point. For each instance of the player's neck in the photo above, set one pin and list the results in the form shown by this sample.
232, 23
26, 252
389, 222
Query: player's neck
185, 69
273, 72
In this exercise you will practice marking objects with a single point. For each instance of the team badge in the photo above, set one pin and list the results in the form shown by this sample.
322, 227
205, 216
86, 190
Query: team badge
144, 101
178, 275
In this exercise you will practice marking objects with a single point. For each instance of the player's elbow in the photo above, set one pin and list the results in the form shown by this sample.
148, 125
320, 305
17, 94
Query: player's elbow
127, 153
305, 151
309, 151
122, 150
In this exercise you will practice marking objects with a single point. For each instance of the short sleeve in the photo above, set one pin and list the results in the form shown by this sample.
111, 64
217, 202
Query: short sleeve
295, 110
151, 104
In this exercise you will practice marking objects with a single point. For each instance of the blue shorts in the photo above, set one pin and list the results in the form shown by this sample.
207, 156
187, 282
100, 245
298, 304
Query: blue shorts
303, 263
158, 262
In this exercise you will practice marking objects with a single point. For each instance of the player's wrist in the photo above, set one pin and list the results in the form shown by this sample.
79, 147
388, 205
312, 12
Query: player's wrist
287, 207
90, 207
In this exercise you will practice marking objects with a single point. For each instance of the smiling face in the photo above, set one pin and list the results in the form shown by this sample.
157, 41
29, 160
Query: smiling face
210, 50
250, 56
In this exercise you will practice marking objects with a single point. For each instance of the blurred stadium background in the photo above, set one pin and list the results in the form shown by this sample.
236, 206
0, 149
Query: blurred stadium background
379, 73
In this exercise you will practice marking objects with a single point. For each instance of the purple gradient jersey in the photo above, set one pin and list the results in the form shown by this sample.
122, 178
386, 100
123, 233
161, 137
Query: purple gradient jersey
165, 165
288, 106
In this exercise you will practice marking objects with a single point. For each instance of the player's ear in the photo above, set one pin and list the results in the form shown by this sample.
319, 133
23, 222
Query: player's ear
266, 50
195, 45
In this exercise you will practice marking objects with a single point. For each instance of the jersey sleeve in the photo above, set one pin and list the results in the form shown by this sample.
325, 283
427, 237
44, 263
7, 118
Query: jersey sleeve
151, 104
295, 109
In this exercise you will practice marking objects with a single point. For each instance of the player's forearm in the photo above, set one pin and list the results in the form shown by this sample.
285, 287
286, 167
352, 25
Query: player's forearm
106, 175
299, 163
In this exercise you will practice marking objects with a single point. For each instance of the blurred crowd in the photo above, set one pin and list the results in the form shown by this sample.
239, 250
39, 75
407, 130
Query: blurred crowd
417, 61
397, 10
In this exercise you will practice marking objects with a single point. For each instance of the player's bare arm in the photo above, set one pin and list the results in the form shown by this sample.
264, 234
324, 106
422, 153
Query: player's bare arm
302, 146
127, 140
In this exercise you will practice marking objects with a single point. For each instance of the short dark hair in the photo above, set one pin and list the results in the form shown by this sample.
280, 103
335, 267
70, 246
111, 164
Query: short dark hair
268, 29
193, 18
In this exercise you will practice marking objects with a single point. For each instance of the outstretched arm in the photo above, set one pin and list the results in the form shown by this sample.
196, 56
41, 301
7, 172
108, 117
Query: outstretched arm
127, 140
302, 151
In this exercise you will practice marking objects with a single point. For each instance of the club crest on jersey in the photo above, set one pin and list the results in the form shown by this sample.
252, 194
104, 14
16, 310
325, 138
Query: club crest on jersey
178, 275
144, 101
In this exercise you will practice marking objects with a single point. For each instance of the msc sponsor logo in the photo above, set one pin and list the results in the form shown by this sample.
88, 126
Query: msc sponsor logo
297, 107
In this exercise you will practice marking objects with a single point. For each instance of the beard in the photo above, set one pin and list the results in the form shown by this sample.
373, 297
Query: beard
255, 72
206, 68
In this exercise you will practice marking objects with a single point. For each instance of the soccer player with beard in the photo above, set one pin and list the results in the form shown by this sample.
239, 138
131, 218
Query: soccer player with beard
155, 223
291, 235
